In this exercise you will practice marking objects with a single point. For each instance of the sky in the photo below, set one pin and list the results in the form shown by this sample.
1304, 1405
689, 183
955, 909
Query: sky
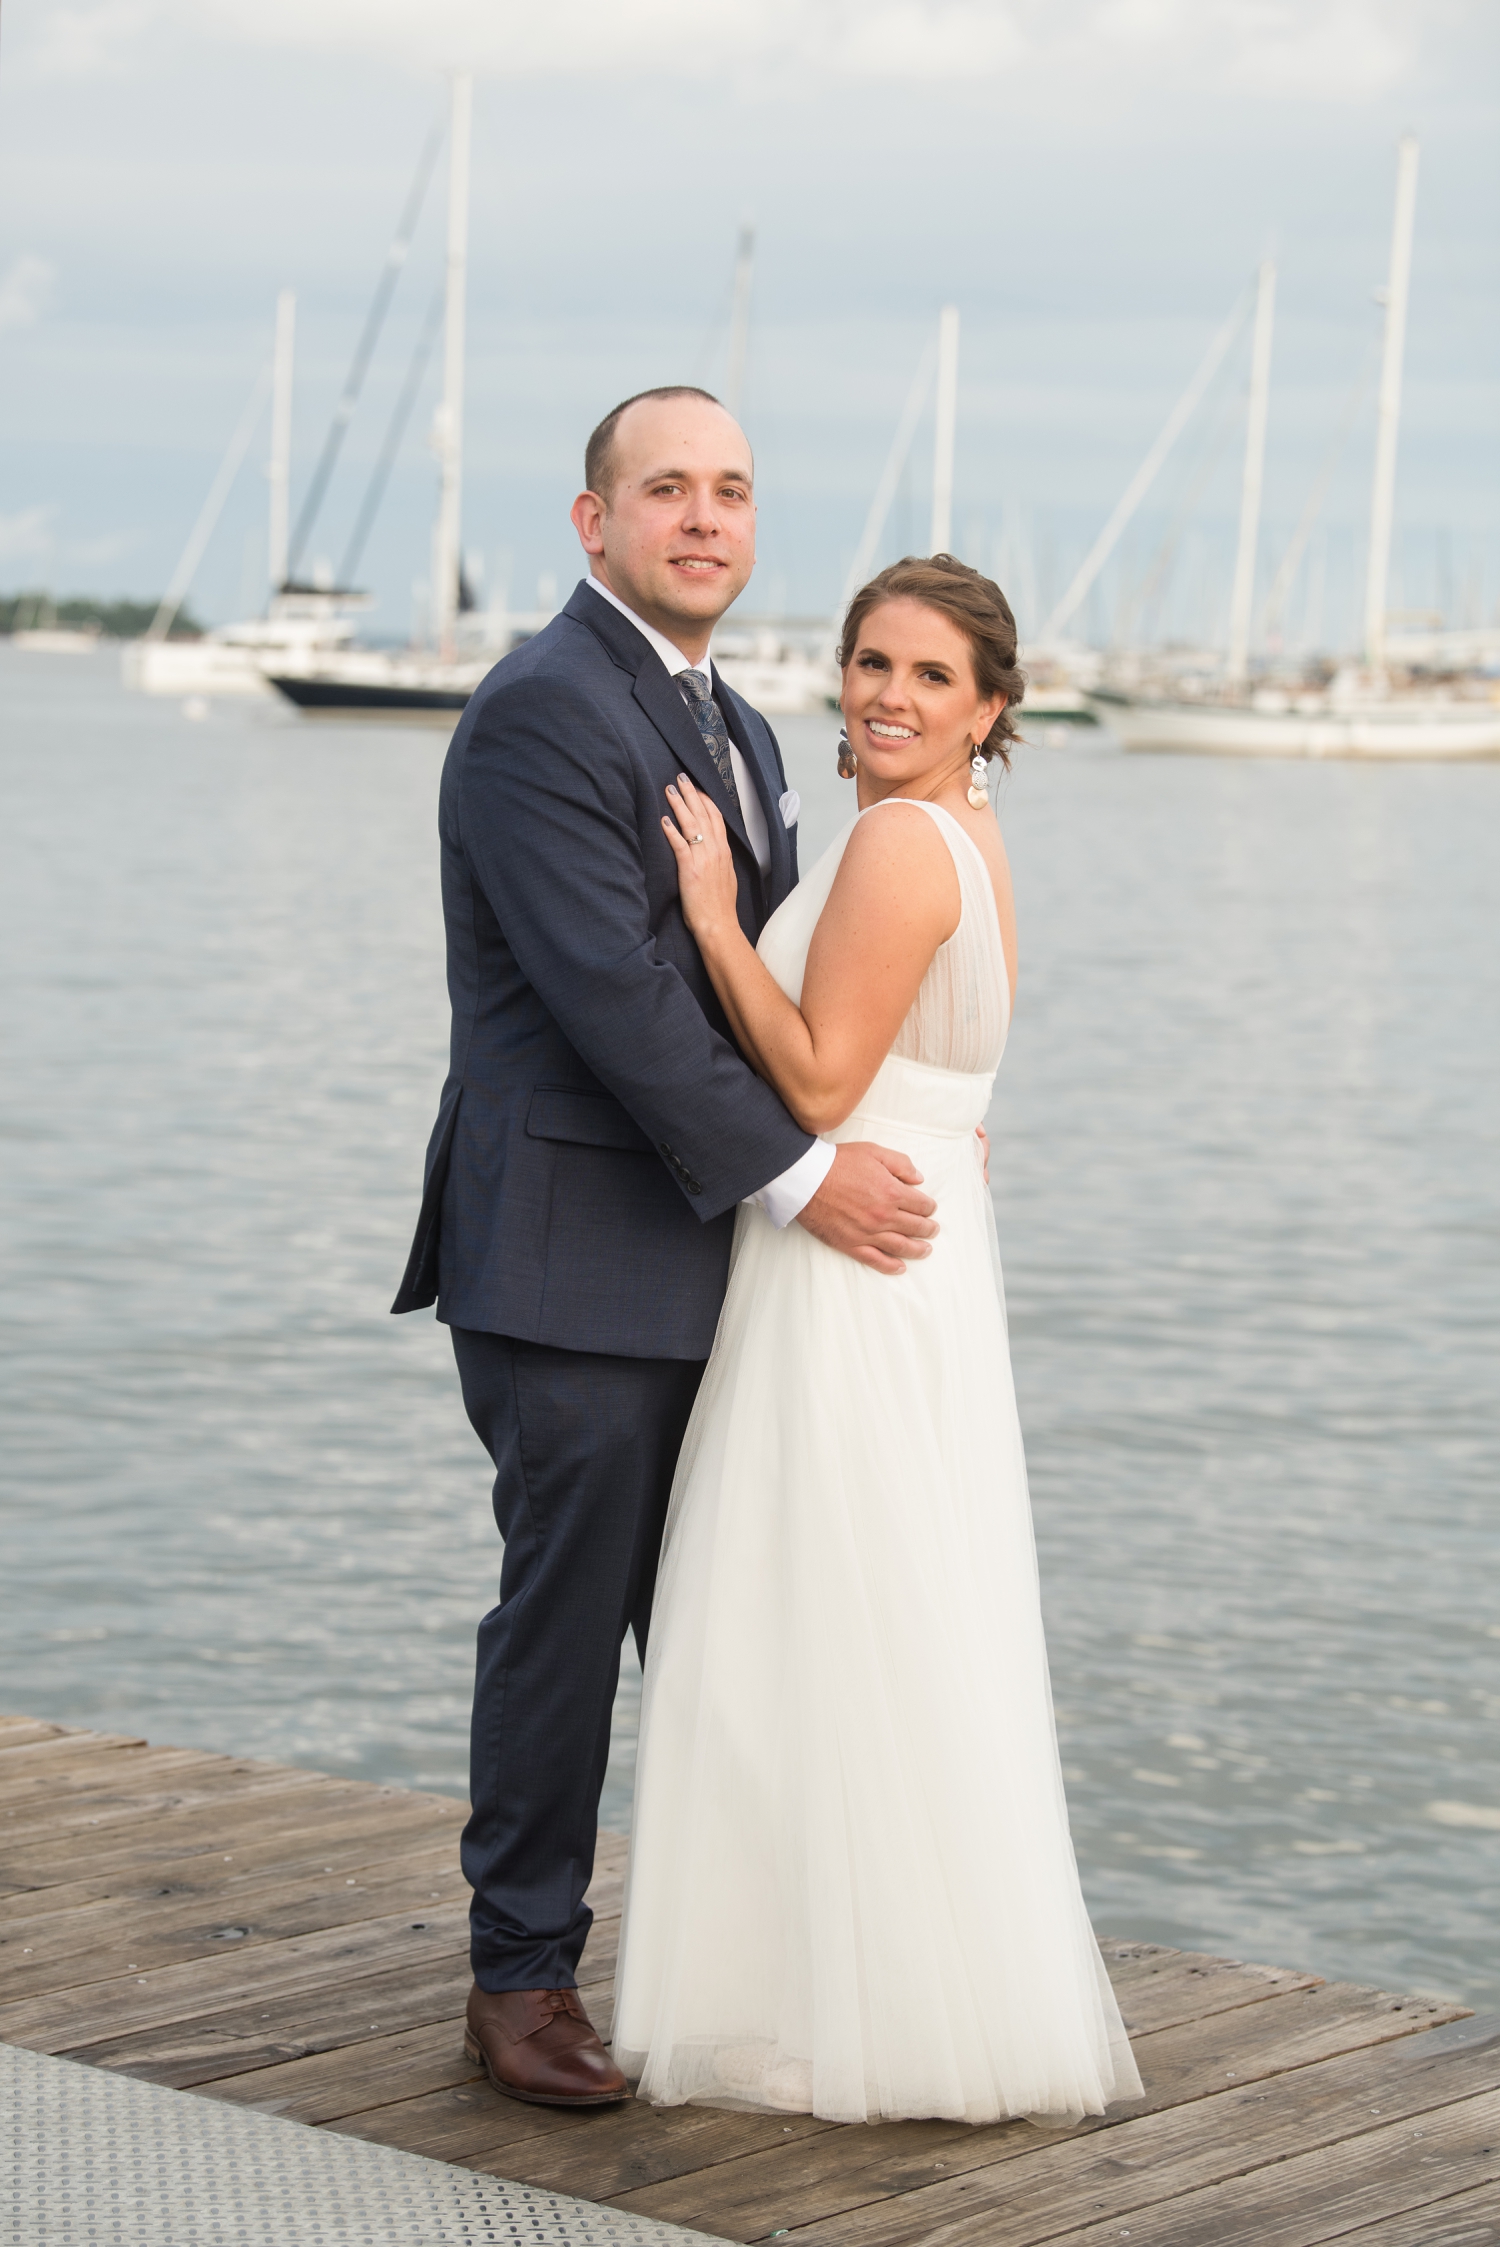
1091, 182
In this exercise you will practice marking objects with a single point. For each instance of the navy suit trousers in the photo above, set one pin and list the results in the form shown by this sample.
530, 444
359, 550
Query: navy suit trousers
584, 1449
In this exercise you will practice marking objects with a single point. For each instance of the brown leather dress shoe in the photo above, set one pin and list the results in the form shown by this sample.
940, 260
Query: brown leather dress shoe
540, 2045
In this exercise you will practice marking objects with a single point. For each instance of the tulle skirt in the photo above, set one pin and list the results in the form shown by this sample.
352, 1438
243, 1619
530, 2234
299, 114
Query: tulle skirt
852, 1889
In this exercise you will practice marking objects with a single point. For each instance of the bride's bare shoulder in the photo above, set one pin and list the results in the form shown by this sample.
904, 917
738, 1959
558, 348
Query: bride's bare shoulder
897, 856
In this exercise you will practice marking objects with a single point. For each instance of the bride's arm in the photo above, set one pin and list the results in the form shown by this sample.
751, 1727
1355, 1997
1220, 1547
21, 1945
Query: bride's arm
894, 901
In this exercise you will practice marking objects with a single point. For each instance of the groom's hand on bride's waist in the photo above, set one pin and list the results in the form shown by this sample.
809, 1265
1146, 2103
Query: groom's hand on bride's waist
871, 1206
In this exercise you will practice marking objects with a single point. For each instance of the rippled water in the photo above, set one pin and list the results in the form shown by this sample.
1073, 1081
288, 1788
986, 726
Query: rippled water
1246, 1175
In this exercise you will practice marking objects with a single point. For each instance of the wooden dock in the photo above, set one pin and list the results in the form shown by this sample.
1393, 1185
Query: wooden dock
297, 1943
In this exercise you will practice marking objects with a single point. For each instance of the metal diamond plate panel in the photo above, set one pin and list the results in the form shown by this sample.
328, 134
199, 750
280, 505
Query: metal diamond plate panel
99, 2160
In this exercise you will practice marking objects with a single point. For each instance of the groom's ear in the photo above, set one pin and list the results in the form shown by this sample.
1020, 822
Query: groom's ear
587, 515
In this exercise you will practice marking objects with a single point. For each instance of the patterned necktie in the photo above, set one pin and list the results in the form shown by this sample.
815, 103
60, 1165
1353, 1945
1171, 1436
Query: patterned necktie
709, 719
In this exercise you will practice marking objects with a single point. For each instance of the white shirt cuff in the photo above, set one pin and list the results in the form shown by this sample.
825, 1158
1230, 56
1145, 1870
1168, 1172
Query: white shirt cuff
787, 1196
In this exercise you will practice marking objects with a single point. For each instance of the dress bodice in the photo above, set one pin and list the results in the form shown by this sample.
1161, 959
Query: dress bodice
961, 1014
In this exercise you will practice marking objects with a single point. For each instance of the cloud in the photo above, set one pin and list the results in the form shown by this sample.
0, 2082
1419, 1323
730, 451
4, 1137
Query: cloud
92, 39
1321, 50
25, 293
920, 40
1328, 50
26, 534
1348, 50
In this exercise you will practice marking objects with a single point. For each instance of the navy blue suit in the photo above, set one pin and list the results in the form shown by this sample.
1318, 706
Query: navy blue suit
595, 1133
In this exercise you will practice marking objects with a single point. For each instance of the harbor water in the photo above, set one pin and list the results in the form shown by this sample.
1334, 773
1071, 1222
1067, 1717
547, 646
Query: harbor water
1245, 1172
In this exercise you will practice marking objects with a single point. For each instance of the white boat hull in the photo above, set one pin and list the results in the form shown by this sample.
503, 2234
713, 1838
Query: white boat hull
781, 687
1383, 732
55, 639
192, 667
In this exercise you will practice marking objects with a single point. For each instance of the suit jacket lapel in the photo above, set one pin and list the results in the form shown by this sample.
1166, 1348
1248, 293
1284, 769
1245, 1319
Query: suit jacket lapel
661, 699
749, 740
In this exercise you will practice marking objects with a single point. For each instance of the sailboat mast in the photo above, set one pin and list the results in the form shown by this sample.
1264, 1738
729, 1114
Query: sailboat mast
447, 550
1383, 498
1243, 597
739, 320
281, 441
947, 421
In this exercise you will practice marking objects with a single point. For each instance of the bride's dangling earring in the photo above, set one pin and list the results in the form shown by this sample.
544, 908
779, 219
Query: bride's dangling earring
979, 793
848, 762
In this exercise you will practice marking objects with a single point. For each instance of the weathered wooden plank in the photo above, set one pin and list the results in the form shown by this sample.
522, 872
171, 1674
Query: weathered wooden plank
52, 1769
75, 1768
1062, 2183
40, 1803
474, 2125
688, 2143
47, 1831
1323, 2195
99, 1942
1467, 2219
1193, 2059
230, 1822
268, 2026
357, 1834
601, 1953
15, 1731
468, 2123
1157, 1987
379, 2070
348, 2078
67, 2020
1186, 2063
20, 1756
55, 1771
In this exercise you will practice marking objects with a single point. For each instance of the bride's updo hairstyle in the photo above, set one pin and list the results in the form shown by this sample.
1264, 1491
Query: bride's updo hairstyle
979, 609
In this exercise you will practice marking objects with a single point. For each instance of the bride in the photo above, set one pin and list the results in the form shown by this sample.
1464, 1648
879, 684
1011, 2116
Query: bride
852, 1889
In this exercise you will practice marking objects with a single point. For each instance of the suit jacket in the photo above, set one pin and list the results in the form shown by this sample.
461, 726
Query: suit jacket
597, 1127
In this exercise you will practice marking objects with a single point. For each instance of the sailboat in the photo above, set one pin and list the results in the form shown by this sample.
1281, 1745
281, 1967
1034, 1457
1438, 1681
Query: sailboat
417, 683
1360, 713
779, 665
301, 623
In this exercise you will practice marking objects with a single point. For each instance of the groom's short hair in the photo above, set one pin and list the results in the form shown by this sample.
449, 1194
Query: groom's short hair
598, 458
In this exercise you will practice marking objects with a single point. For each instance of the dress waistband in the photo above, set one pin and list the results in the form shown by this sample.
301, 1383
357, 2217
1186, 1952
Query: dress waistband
939, 1103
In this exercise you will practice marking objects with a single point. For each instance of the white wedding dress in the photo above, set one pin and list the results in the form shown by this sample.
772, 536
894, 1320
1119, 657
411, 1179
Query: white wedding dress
852, 1890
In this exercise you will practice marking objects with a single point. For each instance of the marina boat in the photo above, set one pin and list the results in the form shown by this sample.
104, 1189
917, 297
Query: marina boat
1404, 701
56, 639
303, 625
416, 683
1273, 724
44, 633
374, 683
773, 672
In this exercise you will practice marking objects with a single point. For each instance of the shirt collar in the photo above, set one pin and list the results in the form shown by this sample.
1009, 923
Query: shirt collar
673, 657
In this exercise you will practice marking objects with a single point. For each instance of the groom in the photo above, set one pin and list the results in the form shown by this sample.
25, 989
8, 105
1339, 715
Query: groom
596, 1131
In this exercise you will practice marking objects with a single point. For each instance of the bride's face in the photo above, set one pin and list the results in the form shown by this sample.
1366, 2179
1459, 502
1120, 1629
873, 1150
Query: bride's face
911, 707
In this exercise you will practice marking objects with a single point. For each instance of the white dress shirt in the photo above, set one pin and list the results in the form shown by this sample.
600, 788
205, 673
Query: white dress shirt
752, 811
787, 1196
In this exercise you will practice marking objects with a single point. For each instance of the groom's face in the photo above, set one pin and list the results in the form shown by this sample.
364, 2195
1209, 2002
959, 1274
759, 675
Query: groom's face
674, 535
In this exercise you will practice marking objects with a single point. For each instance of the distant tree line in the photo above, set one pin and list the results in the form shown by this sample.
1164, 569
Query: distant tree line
117, 620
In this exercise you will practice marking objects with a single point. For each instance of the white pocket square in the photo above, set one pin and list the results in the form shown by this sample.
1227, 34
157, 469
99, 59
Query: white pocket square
790, 805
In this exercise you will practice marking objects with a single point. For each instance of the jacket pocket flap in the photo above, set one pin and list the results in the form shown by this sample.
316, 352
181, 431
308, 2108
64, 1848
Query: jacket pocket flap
585, 1119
